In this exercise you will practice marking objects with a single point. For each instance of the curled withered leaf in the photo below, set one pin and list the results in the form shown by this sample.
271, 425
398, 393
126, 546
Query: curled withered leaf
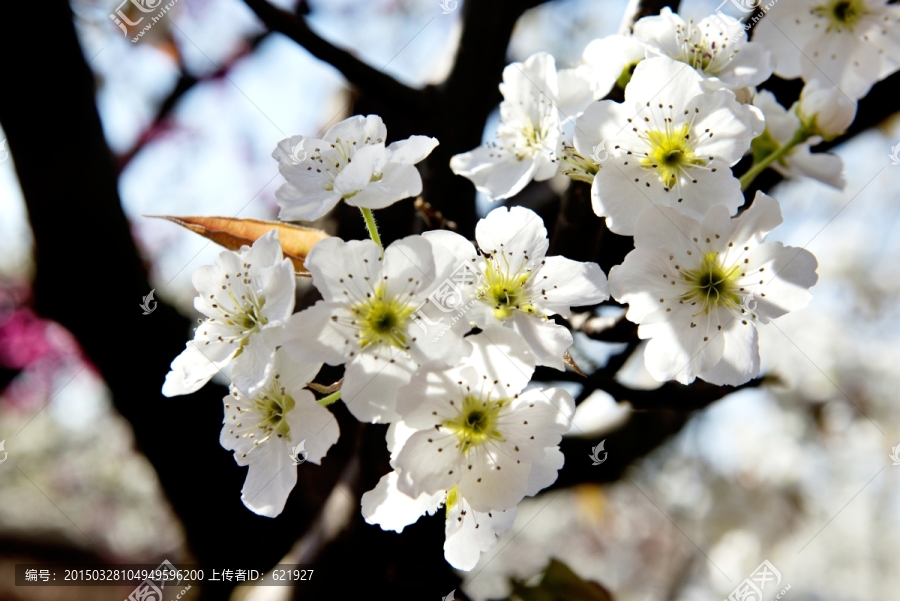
570, 363
322, 389
233, 233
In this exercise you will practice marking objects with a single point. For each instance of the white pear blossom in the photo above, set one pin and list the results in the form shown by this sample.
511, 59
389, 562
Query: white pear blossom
698, 290
781, 127
671, 143
849, 43
476, 429
352, 163
610, 61
247, 296
468, 533
518, 286
716, 49
537, 102
365, 318
269, 429
824, 110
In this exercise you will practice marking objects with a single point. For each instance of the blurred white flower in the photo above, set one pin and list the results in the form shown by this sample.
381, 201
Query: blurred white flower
852, 43
671, 143
781, 126
537, 102
520, 287
824, 110
718, 51
352, 163
364, 319
685, 281
246, 296
476, 429
263, 430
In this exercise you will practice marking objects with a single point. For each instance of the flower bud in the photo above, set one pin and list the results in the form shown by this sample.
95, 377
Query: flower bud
825, 110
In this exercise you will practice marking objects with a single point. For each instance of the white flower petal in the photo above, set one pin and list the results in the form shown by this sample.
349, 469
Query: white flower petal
358, 173
411, 150
190, 371
660, 77
682, 346
495, 172
305, 199
397, 182
334, 264
312, 335
358, 128
253, 366
429, 463
494, 481
517, 232
547, 340
372, 380
567, 284
822, 166
312, 424
470, 533
269, 483
740, 359
389, 508
789, 273
545, 471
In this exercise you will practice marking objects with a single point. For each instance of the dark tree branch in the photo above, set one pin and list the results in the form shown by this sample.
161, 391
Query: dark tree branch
83, 246
186, 82
360, 74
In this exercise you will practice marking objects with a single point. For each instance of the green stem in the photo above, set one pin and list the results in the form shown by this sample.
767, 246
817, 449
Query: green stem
371, 226
331, 398
799, 137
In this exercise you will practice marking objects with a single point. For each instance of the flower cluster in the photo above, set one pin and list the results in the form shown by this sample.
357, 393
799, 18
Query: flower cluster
439, 336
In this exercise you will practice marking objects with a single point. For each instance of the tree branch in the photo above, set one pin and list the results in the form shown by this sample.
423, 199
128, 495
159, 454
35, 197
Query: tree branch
83, 247
364, 76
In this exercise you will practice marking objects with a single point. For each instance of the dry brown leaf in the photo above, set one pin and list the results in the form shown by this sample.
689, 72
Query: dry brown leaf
232, 233
570, 362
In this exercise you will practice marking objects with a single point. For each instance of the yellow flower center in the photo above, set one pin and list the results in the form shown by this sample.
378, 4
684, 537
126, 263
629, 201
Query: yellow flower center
503, 290
842, 13
273, 407
670, 154
712, 284
476, 422
382, 320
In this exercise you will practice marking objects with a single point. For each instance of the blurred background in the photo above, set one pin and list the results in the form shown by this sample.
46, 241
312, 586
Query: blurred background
100, 467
